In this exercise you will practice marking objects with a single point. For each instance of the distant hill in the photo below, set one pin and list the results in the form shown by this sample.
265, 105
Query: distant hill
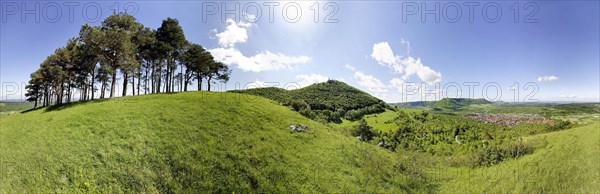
332, 95
13, 106
443, 104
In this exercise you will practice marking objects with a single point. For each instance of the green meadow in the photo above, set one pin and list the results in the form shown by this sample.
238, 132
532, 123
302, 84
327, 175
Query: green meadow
231, 142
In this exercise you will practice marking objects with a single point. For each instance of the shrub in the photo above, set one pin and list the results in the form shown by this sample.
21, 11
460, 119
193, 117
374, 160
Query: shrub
495, 154
359, 113
560, 125
298, 105
364, 130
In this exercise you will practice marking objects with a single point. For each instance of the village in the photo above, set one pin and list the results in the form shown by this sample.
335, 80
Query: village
510, 120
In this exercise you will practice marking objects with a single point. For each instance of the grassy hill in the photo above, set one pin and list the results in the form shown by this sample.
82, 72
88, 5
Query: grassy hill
457, 103
230, 142
189, 142
567, 164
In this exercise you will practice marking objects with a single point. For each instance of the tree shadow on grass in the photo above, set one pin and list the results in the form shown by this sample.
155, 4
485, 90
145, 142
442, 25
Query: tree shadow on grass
65, 106
78, 103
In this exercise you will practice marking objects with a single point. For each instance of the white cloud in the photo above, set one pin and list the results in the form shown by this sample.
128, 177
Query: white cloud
235, 32
426, 74
263, 61
256, 84
547, 78
368, 81
572, 97
383, 54
397, 83
306, 80
350, 67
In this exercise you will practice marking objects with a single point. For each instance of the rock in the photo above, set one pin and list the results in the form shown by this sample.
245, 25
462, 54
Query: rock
386, 146
360, 138
301, 128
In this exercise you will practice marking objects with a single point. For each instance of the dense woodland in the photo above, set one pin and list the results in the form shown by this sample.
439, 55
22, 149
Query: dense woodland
328, 101
149, 60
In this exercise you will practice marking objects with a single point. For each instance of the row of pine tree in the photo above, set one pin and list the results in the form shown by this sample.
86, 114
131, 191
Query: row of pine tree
148, 60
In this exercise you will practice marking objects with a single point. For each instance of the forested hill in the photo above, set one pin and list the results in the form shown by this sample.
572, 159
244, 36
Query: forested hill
446, 103
332, 95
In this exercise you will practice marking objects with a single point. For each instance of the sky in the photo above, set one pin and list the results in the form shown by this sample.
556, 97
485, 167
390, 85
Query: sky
398, 51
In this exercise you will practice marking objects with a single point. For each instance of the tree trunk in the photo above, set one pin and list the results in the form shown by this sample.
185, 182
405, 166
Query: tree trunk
168, 76
146, 81
209, 79
139, 79
133, 84
125, 79
92, 85
62, 91
102, 94
69, 93
181, 78
153, 78
199, 81
45, 95
186, 84
159, 76
113, 83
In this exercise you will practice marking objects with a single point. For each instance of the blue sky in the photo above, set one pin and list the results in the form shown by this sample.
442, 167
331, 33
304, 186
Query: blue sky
383, 47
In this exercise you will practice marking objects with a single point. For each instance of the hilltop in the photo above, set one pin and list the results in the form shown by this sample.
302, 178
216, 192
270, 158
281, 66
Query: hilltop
324, 99
330, 95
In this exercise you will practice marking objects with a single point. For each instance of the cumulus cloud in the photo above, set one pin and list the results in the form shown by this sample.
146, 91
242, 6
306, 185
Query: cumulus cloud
236, 32
383, 54
264, 61
426, 74
306, 80
397, 83
256, 84
368, 81
547, 78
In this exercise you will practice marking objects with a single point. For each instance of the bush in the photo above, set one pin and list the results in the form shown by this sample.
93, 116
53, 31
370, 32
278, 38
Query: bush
308, 113
354, 115
298, 105
364, 130
560, 125
495, 154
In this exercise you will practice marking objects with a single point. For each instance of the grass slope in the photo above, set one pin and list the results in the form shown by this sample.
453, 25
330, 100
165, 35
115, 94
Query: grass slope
188, 142
569, 163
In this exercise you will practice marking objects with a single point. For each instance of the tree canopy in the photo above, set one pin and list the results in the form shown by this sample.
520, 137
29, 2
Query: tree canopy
122, 44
